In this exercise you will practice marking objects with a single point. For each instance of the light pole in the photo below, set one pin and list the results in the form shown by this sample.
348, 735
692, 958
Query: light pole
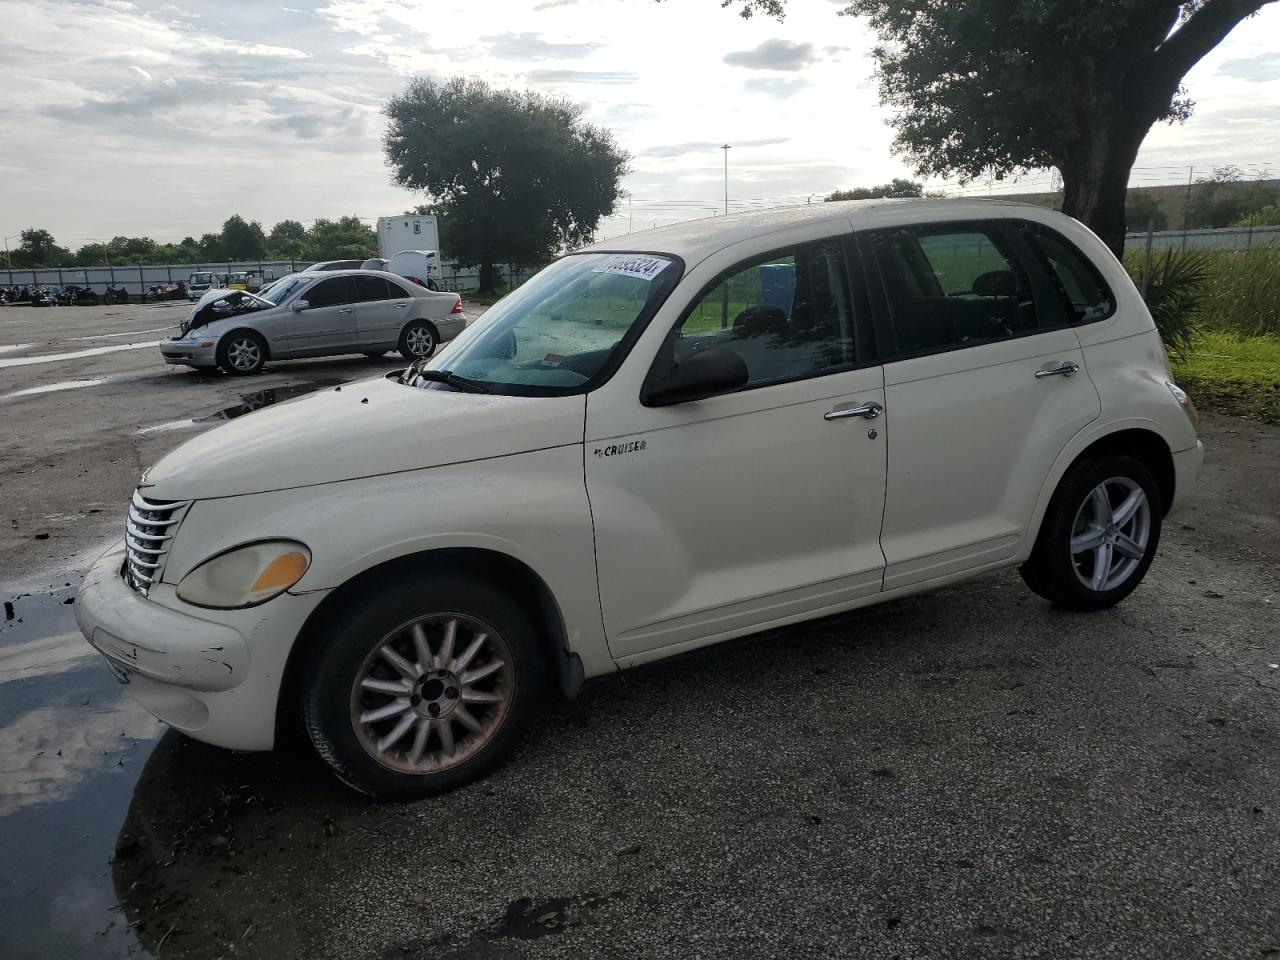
726, 148
8, 264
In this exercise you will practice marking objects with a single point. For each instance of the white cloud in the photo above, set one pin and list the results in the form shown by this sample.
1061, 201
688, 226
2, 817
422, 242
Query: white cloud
182, 114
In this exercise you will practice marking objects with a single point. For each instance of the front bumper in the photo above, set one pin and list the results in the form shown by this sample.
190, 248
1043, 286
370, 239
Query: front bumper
201, 352
212, 674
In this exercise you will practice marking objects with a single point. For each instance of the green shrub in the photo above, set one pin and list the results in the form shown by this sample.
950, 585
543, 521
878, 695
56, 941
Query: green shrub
1176, 292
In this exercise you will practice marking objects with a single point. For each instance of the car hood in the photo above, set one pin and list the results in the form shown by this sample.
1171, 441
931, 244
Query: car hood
360, 429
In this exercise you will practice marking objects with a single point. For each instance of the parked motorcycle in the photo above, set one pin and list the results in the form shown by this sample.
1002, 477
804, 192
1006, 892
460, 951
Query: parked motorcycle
42, 297
117, 294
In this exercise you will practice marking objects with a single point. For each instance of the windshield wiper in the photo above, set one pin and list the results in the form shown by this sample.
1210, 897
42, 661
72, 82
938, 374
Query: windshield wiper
449, 377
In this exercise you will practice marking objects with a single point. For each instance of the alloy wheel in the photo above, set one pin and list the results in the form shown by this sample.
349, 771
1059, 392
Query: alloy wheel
432, 693
244, 354
420, 341
1110, 535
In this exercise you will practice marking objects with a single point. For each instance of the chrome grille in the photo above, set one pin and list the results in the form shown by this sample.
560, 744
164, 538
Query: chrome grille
147, 532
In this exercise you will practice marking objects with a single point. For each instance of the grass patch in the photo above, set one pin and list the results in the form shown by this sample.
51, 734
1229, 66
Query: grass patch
1231, 374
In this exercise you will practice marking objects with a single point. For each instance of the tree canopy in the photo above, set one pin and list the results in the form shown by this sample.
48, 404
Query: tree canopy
897, 188
346, 238
994, 87
514, 176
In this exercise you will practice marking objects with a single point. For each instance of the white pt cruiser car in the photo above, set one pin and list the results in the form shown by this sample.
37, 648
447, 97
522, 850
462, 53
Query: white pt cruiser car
657, 443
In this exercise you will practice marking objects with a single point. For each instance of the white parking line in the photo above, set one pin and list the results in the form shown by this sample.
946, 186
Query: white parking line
74, 355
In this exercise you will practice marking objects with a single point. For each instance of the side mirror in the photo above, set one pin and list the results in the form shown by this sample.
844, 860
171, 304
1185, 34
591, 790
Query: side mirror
299, 305
705, 374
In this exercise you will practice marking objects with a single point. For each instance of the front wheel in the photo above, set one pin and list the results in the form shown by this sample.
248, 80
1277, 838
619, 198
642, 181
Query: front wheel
1099, 535
418, 341
424, 687
242, 353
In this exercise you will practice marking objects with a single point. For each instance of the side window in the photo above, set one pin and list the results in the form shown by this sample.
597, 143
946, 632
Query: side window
1076, 278
332, 292
370, 288
788, 317
396, 292
952, 287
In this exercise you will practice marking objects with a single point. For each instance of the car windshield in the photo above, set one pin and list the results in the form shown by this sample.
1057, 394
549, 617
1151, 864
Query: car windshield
282, 289
555, 333
201, 277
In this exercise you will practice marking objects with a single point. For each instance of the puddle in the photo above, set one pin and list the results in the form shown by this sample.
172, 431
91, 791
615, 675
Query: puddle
71, 750
53, 388
75, 354
249, 402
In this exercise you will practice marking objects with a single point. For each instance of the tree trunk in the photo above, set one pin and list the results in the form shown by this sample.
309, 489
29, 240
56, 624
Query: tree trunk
488, 278
1095, 179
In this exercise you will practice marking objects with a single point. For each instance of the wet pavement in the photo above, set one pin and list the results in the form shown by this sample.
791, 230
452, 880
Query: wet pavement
967, 773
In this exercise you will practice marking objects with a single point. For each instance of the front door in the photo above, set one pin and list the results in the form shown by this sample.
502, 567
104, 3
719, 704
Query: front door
721, 516
985, 386
328, 324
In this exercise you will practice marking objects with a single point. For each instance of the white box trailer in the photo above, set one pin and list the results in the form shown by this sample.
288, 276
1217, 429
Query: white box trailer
407, 232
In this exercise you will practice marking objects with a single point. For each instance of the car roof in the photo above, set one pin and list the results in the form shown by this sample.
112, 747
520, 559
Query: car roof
695, 240
359, 273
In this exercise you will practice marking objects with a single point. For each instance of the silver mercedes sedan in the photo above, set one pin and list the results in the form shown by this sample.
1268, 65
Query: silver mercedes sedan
315, 314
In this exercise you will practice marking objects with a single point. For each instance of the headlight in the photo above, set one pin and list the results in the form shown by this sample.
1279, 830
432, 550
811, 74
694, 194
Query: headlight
1184, 401
246, 576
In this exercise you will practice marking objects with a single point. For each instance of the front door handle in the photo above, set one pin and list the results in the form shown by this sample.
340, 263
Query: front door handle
347, 310
867, 411
1064, 369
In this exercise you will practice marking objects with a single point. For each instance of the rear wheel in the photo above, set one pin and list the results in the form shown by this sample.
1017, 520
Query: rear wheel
423, 688
242, 353
1099, 535
418, 341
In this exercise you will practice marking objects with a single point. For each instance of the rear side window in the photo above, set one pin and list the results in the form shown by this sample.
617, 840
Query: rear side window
397, 292
1077, 280
952, 287
331, 292
370, 288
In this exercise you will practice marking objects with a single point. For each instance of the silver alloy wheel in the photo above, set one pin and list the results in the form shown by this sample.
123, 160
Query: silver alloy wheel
432, 693
420, 341
1110, 534
244, 353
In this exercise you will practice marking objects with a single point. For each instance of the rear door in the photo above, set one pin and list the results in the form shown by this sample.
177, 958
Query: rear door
328, 324
383, 308
984, 387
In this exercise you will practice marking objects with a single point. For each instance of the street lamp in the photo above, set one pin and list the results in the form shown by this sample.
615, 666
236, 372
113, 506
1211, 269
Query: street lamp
726, 148
8, 264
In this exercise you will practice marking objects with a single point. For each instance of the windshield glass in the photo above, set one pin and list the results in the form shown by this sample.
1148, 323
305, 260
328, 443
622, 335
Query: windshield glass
282, 289
561, 328
202, 278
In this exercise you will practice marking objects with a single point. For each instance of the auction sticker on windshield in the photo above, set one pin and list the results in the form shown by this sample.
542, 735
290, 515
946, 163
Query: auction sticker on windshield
644, 268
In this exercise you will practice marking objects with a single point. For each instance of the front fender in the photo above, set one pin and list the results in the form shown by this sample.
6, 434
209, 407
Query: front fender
531, 507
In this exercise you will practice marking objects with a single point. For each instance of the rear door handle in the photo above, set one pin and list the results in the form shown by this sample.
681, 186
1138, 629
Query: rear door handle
1064, 369
347, 310
868, 411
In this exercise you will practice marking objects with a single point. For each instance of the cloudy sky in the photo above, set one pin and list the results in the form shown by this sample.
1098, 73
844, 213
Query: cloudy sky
162, 119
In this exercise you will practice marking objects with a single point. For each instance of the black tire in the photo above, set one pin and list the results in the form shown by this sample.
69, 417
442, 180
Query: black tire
329, 694
422, 331
235, 345
1056, 574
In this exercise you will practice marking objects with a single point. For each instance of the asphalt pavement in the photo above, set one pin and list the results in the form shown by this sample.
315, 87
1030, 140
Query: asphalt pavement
966, 773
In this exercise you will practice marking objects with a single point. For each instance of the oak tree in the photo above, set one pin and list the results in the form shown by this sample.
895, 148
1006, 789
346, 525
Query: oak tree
994, 87
515, 176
